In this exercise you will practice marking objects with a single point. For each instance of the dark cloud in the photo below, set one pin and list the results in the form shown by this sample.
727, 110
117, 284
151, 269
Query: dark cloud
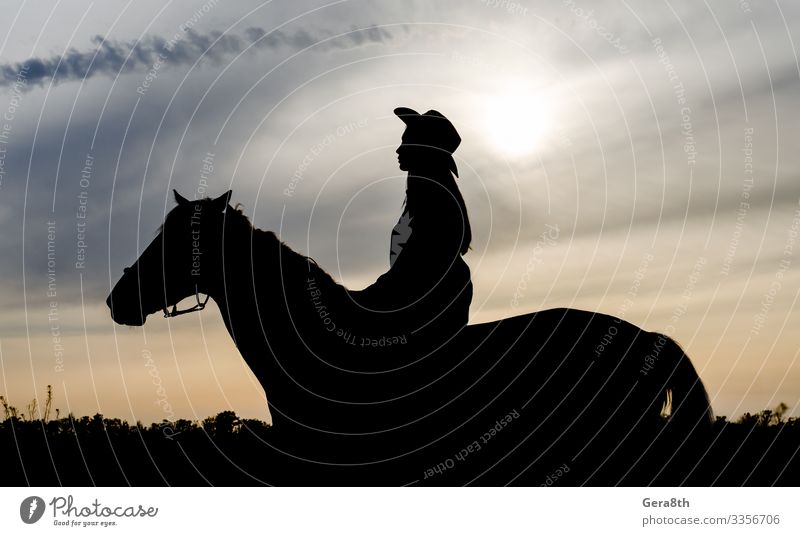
110, 57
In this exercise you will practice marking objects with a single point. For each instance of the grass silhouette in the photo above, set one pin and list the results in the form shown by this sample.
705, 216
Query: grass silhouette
761, 449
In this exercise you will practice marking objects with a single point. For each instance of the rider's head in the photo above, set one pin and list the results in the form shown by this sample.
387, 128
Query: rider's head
428, 141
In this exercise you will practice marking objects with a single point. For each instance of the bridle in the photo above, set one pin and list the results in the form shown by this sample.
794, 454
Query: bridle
199, 306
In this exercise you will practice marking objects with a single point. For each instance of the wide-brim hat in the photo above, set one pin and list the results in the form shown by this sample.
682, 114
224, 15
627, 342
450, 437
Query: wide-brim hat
431, 129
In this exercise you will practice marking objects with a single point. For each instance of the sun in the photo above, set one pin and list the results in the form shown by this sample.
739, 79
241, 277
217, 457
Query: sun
516, 123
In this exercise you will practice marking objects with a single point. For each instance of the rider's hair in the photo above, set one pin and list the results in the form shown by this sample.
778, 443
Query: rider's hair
423, 192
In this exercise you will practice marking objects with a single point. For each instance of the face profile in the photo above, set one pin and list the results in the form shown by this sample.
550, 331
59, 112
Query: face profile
428, 141
410, 156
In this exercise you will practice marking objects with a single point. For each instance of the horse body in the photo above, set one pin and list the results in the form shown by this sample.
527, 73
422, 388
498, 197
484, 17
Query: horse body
511, 401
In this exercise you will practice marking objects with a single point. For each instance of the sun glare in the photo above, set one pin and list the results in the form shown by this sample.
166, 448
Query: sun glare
516, 123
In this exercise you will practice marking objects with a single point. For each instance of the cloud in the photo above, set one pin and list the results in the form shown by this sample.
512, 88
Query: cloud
110, 57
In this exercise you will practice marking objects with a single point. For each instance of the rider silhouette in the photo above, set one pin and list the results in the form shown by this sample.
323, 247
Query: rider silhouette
427, 288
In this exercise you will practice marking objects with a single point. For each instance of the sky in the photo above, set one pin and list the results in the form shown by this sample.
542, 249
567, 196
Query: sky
638, 159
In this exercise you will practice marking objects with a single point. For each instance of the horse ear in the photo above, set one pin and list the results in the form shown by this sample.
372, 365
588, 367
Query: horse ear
221, 203
179, 198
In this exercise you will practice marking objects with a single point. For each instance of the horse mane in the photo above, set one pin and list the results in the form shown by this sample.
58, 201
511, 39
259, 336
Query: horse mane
295, 267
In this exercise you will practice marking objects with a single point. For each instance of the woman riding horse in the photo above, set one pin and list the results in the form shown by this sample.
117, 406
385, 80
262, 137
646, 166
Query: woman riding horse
506, 402
427, 290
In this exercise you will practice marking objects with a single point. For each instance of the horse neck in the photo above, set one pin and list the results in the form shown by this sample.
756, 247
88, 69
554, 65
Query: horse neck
241, 289
259, 292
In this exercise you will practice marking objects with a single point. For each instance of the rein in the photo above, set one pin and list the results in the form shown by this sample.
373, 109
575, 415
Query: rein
199, 306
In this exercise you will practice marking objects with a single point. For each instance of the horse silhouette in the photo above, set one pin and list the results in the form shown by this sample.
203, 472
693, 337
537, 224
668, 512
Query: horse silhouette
581, 397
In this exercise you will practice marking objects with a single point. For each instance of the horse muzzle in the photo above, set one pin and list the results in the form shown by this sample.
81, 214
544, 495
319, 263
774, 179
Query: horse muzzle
125, 315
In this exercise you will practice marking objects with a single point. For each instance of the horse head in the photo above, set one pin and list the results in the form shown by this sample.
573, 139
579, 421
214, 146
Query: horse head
180, 262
